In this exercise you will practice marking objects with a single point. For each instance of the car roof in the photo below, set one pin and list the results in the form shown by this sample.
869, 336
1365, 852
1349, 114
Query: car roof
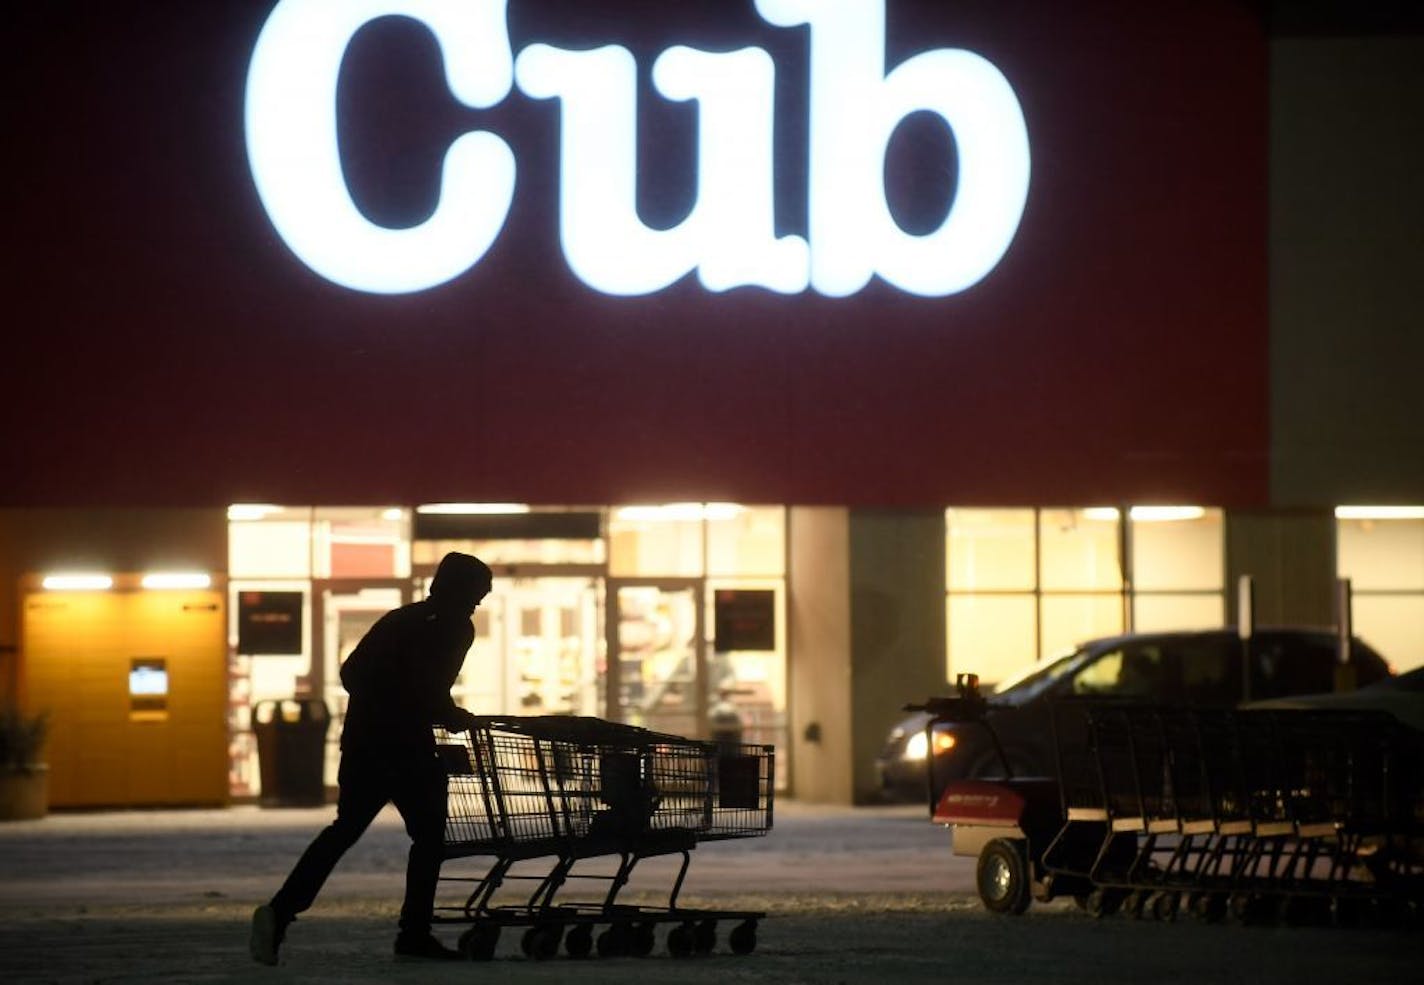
1229, 632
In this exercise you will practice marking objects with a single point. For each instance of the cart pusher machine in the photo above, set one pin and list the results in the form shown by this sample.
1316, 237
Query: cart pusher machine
1307, 816
558, 791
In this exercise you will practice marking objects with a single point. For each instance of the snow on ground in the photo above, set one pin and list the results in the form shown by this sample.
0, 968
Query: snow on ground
851, 895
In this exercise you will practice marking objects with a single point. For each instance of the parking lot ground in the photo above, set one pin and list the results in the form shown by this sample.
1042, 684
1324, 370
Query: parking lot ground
851, 895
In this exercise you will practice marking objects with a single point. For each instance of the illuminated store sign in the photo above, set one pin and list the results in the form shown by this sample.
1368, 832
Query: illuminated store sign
728, 238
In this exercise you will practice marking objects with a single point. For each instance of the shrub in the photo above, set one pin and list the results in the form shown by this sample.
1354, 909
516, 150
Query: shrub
22, 738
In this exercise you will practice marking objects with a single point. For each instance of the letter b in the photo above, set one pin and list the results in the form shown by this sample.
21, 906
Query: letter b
855, 108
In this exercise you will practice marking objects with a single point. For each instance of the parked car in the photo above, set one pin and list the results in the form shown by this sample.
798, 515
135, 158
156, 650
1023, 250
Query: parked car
1200, 668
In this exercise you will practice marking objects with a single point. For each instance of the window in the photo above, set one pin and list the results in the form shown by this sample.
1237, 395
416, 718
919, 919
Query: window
1026, 583
1022, 584
1178, 568
1285, 666
1381, 551
1210, 671
1129, 672
992, 605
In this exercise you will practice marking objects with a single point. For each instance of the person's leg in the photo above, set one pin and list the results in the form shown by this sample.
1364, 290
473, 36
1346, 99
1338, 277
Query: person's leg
365, 789
421, 799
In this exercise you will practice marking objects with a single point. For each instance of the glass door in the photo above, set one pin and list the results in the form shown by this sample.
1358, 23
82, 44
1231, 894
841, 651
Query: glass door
537, 650
657, 667
746, 662
345, 612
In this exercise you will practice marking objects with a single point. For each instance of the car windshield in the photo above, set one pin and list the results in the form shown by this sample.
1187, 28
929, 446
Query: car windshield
1036, 677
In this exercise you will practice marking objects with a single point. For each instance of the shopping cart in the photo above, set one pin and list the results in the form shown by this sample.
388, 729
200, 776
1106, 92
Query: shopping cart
1305, 816
556, 791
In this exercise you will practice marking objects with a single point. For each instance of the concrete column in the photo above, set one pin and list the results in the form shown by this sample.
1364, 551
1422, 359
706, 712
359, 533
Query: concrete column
1291, 557
897, 625
819, 655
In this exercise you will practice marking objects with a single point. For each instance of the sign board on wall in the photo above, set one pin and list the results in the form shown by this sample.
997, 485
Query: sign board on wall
980, 252
744, 619
269, 623
728, 237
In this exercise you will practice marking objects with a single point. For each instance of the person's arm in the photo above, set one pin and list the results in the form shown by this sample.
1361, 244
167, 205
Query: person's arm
444, 666
361, 672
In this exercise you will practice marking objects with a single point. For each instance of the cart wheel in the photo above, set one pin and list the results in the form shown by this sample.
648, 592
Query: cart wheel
642, 938
1134, 904
1002, 877
1103, 901
1386, 913
478, 943
1346, 911
1252, 909
704, 937
578, 942
742, 939
541, 942
1164, 904
680, 940
1207, 907
613, 942
1306, 911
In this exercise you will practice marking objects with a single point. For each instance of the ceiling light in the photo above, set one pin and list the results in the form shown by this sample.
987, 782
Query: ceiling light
251, 511
671, 512
78, 582
177, 579
469, 509
1151, 514
1379, 512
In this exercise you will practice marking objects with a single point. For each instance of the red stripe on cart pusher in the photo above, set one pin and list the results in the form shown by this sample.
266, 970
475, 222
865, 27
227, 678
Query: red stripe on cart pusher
979, 802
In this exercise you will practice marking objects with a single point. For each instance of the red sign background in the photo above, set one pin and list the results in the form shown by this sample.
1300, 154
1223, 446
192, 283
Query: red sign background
166, 348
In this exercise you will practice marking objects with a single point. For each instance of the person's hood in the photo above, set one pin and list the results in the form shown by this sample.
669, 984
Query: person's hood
460, 579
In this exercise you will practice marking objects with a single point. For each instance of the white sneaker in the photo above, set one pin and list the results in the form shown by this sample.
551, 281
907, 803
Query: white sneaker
268, 930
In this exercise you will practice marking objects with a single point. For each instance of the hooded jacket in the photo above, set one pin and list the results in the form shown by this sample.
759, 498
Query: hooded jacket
399, 679
400, 674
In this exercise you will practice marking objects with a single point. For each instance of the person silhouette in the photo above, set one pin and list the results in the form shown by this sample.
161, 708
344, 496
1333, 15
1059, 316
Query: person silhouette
399, 678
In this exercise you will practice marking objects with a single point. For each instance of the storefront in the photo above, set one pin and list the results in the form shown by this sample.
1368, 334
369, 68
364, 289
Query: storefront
670, 617
1005, 325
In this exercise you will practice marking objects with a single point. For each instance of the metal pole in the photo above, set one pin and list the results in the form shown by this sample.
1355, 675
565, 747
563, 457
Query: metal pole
1245, 628
1344, 631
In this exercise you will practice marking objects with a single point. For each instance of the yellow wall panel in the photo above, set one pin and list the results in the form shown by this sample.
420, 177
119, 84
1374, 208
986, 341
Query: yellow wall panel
77, 652
148, 767
101, 767
199, 765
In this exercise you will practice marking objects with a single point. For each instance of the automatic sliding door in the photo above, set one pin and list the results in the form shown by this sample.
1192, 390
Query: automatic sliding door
657, 669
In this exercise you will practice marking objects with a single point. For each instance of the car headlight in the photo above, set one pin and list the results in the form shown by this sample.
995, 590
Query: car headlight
917, 746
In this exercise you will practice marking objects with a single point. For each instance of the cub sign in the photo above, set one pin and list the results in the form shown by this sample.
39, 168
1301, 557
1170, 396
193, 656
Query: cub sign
728, 238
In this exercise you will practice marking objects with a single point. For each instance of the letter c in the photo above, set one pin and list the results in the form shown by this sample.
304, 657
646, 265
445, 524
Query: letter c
290, 120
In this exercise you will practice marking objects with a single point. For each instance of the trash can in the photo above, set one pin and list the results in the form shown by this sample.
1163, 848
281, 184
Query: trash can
291, 751
724, 722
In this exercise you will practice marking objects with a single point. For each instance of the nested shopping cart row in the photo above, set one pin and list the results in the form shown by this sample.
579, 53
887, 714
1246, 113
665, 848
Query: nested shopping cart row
558, 793
1240, 809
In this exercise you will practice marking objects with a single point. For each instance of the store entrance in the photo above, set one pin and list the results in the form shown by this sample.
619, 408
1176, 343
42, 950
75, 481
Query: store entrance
658, 668
344, 612
670, 672
538, 648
